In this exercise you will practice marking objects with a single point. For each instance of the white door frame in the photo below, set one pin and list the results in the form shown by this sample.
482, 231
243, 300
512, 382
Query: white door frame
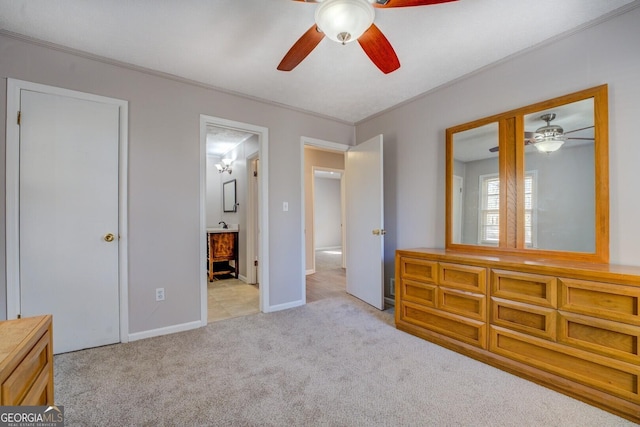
13, 194
252, 213
263, 200
326, 145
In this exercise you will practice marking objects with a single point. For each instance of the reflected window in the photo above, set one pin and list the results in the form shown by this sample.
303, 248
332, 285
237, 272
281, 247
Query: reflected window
489, 230
489, 210
530, 212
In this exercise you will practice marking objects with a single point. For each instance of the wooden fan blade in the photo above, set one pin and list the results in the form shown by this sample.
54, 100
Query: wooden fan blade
301, 49
407, 3
583, 139
379, 50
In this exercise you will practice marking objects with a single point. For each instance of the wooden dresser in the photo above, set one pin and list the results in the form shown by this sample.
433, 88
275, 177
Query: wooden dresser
26, 361
569, 326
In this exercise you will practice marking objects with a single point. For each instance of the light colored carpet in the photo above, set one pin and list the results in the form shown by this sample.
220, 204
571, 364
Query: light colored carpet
335, 362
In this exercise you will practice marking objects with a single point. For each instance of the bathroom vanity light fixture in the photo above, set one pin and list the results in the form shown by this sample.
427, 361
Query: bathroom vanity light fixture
225, 166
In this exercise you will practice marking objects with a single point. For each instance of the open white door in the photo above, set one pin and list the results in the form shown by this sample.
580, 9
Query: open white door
365, 222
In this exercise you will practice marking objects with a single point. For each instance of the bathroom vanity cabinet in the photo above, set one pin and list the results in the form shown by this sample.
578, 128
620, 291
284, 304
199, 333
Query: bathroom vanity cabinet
223, 248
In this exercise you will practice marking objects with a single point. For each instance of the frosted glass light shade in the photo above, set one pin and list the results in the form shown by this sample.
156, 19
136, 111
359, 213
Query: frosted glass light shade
343, 21
549, 145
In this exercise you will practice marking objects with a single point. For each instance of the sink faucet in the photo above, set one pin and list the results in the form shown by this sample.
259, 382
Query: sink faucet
224, 224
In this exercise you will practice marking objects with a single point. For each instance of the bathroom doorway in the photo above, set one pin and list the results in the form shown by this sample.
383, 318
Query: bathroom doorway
231, 203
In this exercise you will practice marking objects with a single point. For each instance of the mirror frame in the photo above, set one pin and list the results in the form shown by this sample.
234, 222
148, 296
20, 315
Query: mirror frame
229, 201
512, 170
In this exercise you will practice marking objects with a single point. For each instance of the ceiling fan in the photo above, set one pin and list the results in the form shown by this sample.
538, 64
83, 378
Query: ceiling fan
550, 137
344, 21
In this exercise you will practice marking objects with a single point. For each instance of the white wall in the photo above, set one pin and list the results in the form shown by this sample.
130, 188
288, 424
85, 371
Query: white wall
414, 134
213, 192
328, 213
164, 175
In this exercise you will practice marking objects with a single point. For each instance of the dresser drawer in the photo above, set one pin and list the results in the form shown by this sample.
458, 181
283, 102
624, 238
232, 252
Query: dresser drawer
20, 381
617, 378
604, 337
462, 302
458, 327
421, 293
465, 277
524, 287
419, 269
527, 318
603, 300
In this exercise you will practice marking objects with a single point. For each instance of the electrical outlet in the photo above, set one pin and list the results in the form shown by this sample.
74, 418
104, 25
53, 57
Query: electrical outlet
159, 294
392, 287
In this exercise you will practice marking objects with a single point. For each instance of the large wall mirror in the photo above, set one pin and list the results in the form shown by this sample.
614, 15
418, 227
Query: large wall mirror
532, 181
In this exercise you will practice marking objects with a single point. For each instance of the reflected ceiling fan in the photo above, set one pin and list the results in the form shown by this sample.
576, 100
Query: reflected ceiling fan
344, 21
549, 138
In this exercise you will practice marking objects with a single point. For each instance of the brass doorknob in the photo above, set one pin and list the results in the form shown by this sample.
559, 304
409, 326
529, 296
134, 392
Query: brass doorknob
378, 232
109, 237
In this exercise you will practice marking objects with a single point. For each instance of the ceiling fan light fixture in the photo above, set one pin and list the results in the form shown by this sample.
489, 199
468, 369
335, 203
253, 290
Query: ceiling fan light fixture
344, 21
549, 138
549, 145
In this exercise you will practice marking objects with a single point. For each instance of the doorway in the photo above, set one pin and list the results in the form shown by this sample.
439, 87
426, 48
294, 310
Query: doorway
229, 151
323, 216
364, 219
66, 213
327, 197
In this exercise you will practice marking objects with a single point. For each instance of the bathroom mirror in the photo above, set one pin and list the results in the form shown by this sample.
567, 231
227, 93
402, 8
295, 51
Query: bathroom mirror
532, 181
229, 203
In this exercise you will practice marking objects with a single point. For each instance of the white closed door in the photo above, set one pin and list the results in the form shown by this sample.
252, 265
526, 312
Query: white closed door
68, 217
365, 222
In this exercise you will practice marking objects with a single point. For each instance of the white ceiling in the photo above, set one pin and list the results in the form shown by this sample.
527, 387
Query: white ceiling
236, 45
221, 140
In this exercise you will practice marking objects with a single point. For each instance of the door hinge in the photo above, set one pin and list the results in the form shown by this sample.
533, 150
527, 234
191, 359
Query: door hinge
19, 116
255, 263
255, 173
19, 316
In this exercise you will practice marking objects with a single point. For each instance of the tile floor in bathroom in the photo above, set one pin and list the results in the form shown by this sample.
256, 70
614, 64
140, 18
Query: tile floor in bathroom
229, 298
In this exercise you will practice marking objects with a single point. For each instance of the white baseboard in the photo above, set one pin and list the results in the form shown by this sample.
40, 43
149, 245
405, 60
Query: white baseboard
164, 331
243, 278
390, 301
308, 272
286, 306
